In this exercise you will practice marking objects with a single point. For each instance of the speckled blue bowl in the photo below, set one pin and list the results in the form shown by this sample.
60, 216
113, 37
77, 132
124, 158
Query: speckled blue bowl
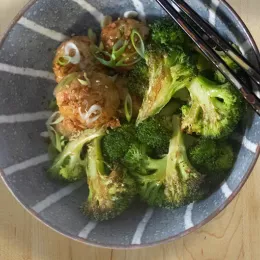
26, 85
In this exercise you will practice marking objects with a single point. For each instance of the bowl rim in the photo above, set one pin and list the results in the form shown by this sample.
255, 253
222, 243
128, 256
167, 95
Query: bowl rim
171, 238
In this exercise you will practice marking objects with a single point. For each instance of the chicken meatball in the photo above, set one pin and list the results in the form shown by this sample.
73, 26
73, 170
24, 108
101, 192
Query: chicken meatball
68, 127
122, 30
74, 55
87, 101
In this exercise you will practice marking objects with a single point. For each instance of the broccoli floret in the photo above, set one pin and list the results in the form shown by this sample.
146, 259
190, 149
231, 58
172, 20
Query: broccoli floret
166, 32
214, 110
219, 77
169, 71
203, 64
167, 182
182, 95
212, 158
149, 174
117, 142
171, 108
138, 79
183, 181
69, 164
154, 134
109, 195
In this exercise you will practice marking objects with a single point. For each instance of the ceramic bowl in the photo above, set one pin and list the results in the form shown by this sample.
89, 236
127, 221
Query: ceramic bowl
26, 85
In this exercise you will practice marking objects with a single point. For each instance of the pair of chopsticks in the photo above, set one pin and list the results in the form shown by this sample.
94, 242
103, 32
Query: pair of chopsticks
207, 41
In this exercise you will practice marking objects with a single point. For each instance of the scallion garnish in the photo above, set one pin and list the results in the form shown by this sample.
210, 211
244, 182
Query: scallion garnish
136, 38
128, 106
55, 119
64, 60
118, 49
71, 50
64, 82
116, 59
85, 81
57, 141
121, 63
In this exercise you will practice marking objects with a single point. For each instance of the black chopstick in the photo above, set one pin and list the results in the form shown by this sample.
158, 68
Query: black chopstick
250, 97
209, 32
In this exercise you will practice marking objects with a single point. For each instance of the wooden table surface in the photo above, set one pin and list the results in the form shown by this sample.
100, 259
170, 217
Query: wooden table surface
234, 234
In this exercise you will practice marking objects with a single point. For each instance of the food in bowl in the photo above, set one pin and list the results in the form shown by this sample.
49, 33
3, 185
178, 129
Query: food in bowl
140, 114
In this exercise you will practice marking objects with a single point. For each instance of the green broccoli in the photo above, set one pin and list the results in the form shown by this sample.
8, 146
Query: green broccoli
69, 164
117, 142
138, 79
168, 33
219, 77
167, 182
169, 71
171, 108
212, 158
203, 64
154, 134
149, 174
109, 195
214, 110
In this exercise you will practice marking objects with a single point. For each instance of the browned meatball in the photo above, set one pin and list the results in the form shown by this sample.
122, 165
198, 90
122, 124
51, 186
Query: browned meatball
88, 105
122, 29
69, 127
83, 58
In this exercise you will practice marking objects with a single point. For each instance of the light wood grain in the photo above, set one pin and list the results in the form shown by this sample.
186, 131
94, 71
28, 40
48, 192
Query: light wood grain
233, 235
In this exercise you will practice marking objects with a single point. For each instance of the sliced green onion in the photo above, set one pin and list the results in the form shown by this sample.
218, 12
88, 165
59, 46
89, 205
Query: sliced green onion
51, 118
115, 59
119, 49
99, 54
51, 132
54, 119
108, 63
106, 53
106, 21
130, 14
121, 63
128, 106
57, 140
60, 141
92, 36
85, 81
58, 120
139, 49
64, 60
71, 46
64, 82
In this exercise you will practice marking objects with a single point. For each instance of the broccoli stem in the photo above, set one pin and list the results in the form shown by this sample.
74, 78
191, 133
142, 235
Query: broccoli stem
177, 149
96, 165
61, 167
75, 146
156, 164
